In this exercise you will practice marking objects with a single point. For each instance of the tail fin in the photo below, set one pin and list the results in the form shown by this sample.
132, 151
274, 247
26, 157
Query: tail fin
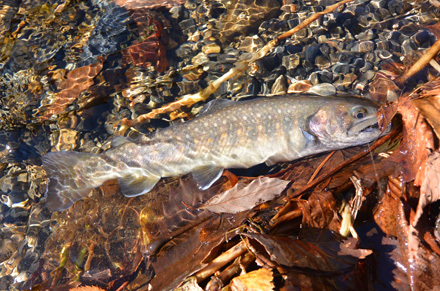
72, 176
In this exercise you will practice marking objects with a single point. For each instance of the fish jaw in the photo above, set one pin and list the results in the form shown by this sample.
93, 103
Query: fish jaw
345, 124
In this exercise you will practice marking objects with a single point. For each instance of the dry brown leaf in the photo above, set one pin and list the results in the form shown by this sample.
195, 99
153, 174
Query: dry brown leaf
430, 189
318, 211
244, 197
419, 263
259, 280
320, 250
385, 215
429, 104
418, 141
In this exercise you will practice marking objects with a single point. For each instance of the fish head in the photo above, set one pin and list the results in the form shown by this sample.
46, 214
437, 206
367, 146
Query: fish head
344, 123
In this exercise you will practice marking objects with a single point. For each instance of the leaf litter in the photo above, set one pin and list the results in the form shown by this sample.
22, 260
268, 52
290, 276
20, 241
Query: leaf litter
213, 239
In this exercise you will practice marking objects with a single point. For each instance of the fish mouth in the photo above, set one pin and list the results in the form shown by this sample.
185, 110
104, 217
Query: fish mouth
368, 125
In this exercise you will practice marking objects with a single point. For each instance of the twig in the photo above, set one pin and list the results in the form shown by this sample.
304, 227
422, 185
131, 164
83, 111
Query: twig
312, 18
422, 62
220, 261
240, 68
321, 165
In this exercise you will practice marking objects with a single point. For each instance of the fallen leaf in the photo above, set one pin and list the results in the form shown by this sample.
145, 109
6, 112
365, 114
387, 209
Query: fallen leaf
430, 189
318, 211
422, 265
315, 260
417, 143
78, 80
152, 50
428, 102
320, 250
259, 280
385, 213
244, 197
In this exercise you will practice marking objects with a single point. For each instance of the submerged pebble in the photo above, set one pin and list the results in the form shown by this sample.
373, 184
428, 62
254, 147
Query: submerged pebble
86, 66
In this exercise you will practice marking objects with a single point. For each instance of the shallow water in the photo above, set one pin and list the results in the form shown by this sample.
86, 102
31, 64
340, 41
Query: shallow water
72, 70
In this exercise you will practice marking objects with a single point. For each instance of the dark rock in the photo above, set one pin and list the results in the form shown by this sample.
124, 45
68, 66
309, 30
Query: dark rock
326, 76
422, 39
188, 24
407, 46
382, 44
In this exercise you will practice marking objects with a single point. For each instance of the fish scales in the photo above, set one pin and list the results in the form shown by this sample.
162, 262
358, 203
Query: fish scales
227, 134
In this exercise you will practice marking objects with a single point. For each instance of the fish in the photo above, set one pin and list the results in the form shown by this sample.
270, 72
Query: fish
225, 134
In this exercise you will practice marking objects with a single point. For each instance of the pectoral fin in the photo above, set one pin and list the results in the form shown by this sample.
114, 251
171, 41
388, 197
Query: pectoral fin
310, 138
206, 176
134, 185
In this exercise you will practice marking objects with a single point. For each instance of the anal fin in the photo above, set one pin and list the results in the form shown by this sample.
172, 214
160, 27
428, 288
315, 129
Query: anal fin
206, 176
134, 185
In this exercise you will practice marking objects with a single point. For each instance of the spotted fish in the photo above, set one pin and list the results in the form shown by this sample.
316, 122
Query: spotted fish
226, 134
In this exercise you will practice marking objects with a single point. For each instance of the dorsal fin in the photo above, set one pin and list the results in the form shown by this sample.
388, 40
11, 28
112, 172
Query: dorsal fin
215, 105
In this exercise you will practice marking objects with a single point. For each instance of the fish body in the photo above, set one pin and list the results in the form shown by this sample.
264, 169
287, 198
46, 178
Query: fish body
226, 134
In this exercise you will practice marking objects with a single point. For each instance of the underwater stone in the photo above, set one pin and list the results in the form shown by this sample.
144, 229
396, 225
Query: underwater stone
323, 89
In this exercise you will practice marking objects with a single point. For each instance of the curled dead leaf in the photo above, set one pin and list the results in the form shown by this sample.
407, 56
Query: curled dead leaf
428, 102
417, 143
430, 189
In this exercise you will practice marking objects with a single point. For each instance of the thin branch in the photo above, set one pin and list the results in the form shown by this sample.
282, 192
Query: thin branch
420, 64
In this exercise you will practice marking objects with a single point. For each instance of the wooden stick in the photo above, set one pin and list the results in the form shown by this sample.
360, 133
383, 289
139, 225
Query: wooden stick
220, 261
420, 64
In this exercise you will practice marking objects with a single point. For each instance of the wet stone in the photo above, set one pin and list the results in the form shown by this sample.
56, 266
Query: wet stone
251, 44
366, 35
344, 50
323, 89
291, 62
326, 76
211, 48
382, 45
243, 16
200, 59
363, 46
279, 86
423, 39
188, 24
314, 78
384, 55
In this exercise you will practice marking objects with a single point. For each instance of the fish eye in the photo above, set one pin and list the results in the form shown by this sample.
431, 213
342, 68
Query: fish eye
359, 112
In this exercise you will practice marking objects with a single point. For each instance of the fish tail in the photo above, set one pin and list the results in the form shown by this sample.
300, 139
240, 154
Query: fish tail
72, 175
